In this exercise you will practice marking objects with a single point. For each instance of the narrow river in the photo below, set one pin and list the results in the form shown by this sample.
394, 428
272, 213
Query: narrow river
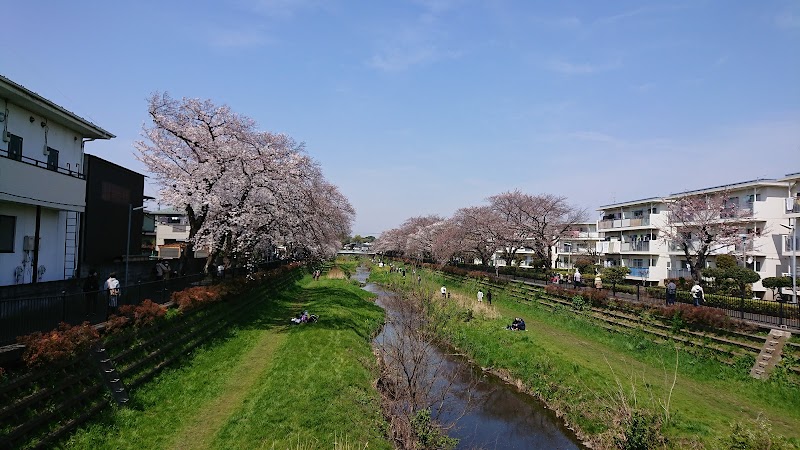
487, 412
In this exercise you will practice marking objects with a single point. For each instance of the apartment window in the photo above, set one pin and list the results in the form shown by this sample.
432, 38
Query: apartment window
8, 225
174, 220
654, 211
52, 158
638, 213
750, 198
637, 262
15, 147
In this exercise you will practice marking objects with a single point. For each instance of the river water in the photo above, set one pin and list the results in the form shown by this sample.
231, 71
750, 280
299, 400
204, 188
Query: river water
487, 412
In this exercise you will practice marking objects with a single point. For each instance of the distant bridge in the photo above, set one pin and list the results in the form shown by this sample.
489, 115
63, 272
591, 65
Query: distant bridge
357, 252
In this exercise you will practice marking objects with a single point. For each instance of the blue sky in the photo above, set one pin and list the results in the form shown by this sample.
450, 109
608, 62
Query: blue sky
425, 106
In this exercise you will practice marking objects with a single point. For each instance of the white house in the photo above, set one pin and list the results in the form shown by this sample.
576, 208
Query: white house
42, 185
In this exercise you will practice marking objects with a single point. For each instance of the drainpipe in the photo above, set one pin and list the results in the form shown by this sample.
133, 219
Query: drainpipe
35, 268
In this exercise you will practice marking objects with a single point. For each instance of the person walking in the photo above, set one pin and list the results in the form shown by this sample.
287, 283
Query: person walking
697, 293
480, 296
576, 279
112, 288
443, 290
489, 297
91, 288
672, 292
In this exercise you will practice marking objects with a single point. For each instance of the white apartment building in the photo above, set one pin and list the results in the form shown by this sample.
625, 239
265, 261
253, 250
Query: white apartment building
42, 185
630, 232
579, 242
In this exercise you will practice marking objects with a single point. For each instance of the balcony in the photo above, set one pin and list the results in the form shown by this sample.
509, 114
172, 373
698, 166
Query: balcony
32, 182
639, 272
624, 223
787, 244
679, 273
641, 246
792, 205
606, 247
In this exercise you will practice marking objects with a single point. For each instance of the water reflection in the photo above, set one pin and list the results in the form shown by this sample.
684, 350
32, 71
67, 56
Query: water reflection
497, 415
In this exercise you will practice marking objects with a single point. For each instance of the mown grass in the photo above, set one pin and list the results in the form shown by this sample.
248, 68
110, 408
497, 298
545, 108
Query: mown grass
264, 383
587, 372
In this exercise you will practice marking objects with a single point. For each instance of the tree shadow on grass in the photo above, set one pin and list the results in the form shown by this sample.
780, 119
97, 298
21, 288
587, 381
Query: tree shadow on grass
341, 309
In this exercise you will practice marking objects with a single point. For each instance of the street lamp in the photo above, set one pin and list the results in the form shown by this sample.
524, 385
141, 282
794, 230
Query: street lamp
131, 209
793, 226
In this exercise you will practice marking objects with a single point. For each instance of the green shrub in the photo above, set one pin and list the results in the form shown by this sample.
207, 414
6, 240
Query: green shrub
429, 435
757, 436
640, 431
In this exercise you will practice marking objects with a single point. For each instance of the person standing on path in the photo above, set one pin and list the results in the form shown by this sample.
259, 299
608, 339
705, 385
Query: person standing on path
672, 290
576, 279
444, 291
697, 293
480, 296
111, 286
489, 297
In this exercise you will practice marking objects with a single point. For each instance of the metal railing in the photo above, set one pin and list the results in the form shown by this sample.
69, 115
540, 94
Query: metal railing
44, 164
639, 246
23, 316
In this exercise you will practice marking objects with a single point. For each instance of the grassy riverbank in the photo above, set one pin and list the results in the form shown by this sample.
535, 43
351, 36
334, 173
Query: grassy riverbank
605, 383
265, 383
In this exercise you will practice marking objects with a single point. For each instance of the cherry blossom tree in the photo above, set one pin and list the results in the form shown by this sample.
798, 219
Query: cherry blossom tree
540, 221
703, 224
482, 232
244, 190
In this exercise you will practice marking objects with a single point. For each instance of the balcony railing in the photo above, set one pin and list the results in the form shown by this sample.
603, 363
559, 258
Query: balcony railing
623, 223
68, 170
639, 272
787, 244
642, 246
679, 273
793, 205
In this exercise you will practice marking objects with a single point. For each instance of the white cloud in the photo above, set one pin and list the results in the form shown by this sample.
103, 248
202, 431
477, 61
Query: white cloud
281, 8
570, 68
227, 39
644, 87
787, 20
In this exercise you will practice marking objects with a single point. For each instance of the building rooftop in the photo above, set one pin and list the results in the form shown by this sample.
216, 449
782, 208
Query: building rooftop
742, 184
24, 97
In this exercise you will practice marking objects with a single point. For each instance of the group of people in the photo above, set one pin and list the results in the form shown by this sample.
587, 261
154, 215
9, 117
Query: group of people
304, 317
91, 289
573, 278
316, 274
488, 296
517, 324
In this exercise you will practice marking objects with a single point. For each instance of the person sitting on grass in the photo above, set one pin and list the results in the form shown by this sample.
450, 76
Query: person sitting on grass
304, 317
517, 325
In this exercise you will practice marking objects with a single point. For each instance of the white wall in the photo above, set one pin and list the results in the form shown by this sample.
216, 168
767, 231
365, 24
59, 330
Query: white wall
51, 243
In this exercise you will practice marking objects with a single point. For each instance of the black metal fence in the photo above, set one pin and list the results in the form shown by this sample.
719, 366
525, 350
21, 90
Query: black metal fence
21, 316
767, 312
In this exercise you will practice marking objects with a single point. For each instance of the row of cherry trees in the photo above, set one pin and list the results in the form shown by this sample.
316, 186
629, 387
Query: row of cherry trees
509, 222
245, 191
697, 225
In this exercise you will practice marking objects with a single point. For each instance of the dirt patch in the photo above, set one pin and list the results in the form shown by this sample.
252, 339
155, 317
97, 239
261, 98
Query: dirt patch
482, 309
336, 274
